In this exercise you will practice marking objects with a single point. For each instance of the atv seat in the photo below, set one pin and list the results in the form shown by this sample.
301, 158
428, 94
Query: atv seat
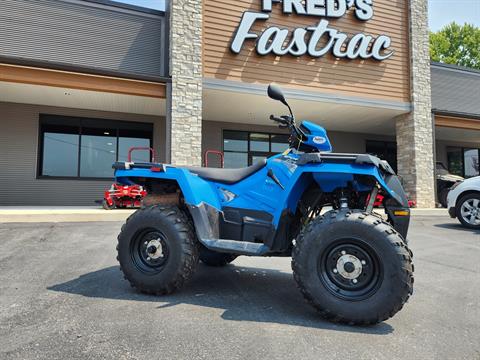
227, 176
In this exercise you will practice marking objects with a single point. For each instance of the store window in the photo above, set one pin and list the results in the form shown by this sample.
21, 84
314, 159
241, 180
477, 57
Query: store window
243, 148
385, 150
60, 150
463, 161
470, 161
86, 148
150, 4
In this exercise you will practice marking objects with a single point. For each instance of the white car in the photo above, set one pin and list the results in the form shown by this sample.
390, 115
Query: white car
464, 202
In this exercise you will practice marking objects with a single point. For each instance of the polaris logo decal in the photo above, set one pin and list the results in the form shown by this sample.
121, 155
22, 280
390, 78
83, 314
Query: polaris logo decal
318, 39
320, 140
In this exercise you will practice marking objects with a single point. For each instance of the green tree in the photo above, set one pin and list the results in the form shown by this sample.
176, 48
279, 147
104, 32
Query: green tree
456, 44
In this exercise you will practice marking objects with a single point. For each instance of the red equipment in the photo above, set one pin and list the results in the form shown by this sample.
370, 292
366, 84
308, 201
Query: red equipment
379, 202
123, 196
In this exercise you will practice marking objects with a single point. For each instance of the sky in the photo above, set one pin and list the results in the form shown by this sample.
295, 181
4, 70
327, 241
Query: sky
441, 12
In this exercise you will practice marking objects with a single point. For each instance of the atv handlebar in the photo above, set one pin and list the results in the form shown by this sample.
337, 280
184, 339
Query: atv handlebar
286, 121
282, 120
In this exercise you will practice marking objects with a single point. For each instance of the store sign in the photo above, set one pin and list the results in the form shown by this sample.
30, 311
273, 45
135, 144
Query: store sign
316, 40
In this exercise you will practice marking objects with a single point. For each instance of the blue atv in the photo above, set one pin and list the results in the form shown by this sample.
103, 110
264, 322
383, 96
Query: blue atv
316, 206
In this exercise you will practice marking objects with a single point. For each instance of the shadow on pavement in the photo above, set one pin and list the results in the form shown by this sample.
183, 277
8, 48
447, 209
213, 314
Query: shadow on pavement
456, 226
245, 294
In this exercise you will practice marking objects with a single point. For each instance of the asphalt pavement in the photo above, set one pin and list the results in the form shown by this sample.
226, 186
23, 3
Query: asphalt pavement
62, 296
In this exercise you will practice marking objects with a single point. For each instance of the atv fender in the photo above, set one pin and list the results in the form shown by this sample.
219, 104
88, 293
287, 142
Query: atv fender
195, 190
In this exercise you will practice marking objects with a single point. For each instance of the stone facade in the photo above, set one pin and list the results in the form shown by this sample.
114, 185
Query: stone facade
415, 137
185, 118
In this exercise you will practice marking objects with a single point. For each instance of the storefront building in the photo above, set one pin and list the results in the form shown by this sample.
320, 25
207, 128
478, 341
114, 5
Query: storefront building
82, 81
456, 110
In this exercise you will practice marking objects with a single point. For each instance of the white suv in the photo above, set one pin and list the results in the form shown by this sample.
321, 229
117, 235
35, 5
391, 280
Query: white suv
464, 202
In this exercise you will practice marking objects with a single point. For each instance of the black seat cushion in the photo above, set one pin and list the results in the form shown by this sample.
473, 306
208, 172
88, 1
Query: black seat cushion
226, 176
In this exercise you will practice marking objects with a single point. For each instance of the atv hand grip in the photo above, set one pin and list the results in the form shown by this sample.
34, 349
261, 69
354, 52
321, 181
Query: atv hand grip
280, 120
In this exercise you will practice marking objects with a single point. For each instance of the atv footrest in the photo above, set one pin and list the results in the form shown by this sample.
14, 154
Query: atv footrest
236, 247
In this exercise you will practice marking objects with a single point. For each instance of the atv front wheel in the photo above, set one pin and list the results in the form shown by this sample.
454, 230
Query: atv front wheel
157, 249
353, 267
216, 259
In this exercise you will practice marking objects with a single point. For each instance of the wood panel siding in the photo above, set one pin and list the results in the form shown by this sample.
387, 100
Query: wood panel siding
388, 80
64, 79
457, 123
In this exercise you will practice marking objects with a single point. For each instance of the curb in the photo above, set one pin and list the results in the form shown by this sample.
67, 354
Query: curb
58, 215
429, 212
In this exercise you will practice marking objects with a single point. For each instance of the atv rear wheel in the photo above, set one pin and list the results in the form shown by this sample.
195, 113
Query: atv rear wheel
157, 249
353, 267
216, 259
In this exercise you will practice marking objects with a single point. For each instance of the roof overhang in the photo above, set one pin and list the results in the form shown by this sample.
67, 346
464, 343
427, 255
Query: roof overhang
231, 101
81, 81
457, 122
68, 97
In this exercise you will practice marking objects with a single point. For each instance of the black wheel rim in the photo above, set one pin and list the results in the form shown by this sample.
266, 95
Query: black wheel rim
350, 269
149, 251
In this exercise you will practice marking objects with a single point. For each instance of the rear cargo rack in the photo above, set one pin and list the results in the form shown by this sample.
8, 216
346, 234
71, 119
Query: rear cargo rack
135, 165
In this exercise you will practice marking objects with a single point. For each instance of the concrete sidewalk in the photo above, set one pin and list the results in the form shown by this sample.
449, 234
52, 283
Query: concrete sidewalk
42, 214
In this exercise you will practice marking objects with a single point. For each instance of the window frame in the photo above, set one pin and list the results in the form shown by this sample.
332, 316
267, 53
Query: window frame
251, 153
386, 144
462, 149
83, 122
